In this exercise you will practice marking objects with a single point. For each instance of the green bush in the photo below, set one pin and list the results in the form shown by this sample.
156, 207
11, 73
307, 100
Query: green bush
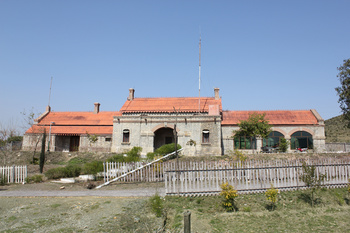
56, 173
134, 154
62, 172
166, 149
34, 179
73, 170
150, 155
93, 168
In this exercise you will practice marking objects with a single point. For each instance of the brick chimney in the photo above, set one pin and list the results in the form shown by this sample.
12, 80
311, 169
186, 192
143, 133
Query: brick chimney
131, 94
216, 91
97, 108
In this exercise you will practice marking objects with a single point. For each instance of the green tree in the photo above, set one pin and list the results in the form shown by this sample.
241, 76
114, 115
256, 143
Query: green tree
344, 90
255, 126
42, 154
284, 144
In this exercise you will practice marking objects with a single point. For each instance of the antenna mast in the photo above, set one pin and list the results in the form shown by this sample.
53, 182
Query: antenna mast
199, 98
50, 91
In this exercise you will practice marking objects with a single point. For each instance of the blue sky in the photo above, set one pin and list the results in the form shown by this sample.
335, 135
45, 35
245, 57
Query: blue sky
263, 55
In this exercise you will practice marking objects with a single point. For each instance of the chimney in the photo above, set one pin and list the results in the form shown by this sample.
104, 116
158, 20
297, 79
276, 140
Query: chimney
216, 91
97, 108
131, 94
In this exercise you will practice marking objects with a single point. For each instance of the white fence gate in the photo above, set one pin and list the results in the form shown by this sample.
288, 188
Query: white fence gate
13, 174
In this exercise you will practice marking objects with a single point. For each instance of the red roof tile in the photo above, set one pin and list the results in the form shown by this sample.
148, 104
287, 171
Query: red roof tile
76, 123
297, 117
184, 104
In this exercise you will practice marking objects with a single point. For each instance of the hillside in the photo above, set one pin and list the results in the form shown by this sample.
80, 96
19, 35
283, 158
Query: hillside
336, 130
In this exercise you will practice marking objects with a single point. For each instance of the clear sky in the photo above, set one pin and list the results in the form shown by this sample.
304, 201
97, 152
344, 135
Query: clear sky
263, 55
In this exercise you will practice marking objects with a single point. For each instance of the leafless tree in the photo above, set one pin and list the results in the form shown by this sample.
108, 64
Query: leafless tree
29, 120
7, 130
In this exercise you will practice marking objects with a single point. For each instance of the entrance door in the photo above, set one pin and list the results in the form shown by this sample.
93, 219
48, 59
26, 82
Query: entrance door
163, 136
74, 143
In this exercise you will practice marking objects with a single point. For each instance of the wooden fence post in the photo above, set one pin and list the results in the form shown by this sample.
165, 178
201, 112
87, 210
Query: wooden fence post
187, 222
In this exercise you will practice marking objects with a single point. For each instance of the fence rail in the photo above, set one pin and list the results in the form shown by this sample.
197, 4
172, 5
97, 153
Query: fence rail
13, 174
254, 176
205, 178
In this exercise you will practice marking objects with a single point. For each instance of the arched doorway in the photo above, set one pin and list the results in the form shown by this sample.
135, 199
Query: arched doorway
301, 139
163, 136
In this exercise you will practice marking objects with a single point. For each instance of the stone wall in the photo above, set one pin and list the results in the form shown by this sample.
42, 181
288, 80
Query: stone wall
189, 127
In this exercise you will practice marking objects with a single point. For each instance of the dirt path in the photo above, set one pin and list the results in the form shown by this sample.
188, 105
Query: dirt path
49, 189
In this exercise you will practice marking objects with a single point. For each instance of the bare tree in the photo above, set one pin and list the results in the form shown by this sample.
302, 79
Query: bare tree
7, 130
29, 121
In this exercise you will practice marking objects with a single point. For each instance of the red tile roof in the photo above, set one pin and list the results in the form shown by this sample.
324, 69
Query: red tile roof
159, 105
76, 123
297, 117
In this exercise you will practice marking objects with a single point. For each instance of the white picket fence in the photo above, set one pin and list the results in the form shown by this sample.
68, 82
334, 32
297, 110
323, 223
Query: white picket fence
205, 178
14, 174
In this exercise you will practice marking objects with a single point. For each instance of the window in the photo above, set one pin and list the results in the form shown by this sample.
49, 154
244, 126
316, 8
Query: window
245, 142
273, 139
301, 139
126, 135
108, 139
205, 136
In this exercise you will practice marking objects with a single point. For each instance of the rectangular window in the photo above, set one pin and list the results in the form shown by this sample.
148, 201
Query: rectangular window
205, 136
108, 139
126, 135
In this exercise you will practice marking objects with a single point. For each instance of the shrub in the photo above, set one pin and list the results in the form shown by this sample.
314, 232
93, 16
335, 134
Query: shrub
3, 180
156, 203
56, 173
134, 154
62, 172
272, 195
166, 149
34, 179
93, 168
72, 170
150, 155
240, 156
229, 194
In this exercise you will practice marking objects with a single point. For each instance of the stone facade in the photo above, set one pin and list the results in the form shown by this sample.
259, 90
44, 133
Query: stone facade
144, 130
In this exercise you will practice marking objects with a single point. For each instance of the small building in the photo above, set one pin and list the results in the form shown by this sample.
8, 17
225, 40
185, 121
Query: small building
202, 127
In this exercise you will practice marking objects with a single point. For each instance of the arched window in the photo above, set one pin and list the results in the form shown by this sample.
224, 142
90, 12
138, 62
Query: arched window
244, 142
301, 139
205, 136
273, 139
126, 135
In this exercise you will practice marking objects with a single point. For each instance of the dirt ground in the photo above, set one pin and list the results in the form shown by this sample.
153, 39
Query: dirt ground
95, 213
